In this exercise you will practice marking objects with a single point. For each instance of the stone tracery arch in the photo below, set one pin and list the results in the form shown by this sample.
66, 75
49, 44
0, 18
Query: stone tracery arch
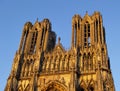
54, 86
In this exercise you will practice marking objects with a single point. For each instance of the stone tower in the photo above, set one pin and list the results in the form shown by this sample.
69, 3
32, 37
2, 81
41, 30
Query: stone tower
41, 64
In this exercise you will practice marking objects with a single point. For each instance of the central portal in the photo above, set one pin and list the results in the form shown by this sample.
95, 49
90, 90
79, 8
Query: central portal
53, 89
55, 86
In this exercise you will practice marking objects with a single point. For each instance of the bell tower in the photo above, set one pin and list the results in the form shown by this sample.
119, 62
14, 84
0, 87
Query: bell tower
87, 31
88, 37
40, 64
35, 37
35, 41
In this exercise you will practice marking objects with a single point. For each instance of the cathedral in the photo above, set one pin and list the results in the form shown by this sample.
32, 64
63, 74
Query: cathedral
41, 64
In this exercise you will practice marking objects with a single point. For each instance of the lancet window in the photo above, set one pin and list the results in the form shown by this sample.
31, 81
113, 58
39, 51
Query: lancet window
96, 30
24, 39
33, 42
87, 40
75, 33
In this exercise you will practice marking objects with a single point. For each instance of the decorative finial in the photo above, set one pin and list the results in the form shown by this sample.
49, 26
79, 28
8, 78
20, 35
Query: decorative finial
59, 40
86, 12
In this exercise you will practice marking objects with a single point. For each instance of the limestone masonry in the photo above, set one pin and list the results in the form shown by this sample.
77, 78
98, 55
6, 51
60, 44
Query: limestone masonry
41, 64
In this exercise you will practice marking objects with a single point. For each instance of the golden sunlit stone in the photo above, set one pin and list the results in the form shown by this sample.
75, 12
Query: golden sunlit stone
42, 65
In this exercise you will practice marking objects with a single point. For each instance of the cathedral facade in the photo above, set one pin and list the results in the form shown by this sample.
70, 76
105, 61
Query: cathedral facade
41, 64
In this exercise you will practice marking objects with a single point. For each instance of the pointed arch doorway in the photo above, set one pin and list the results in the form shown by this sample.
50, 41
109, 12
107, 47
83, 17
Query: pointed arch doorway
53, 89
55, 86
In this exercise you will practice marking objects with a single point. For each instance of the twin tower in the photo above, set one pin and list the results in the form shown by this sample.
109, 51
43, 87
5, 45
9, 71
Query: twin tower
41, 64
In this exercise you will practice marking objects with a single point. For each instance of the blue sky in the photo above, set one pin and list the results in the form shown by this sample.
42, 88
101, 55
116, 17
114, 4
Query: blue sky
14, 14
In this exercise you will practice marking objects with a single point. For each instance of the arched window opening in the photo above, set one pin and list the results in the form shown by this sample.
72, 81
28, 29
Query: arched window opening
75, 26
97, 29
87, 40
41, 41
96, 24
55, 87
78, 25
24, 40
89, 61
33, 42
85, 36
89, 35
52, 89
75, 33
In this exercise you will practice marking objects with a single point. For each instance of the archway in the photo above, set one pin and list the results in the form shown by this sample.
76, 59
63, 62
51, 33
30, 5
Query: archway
55, 86
52, 89
91, 89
